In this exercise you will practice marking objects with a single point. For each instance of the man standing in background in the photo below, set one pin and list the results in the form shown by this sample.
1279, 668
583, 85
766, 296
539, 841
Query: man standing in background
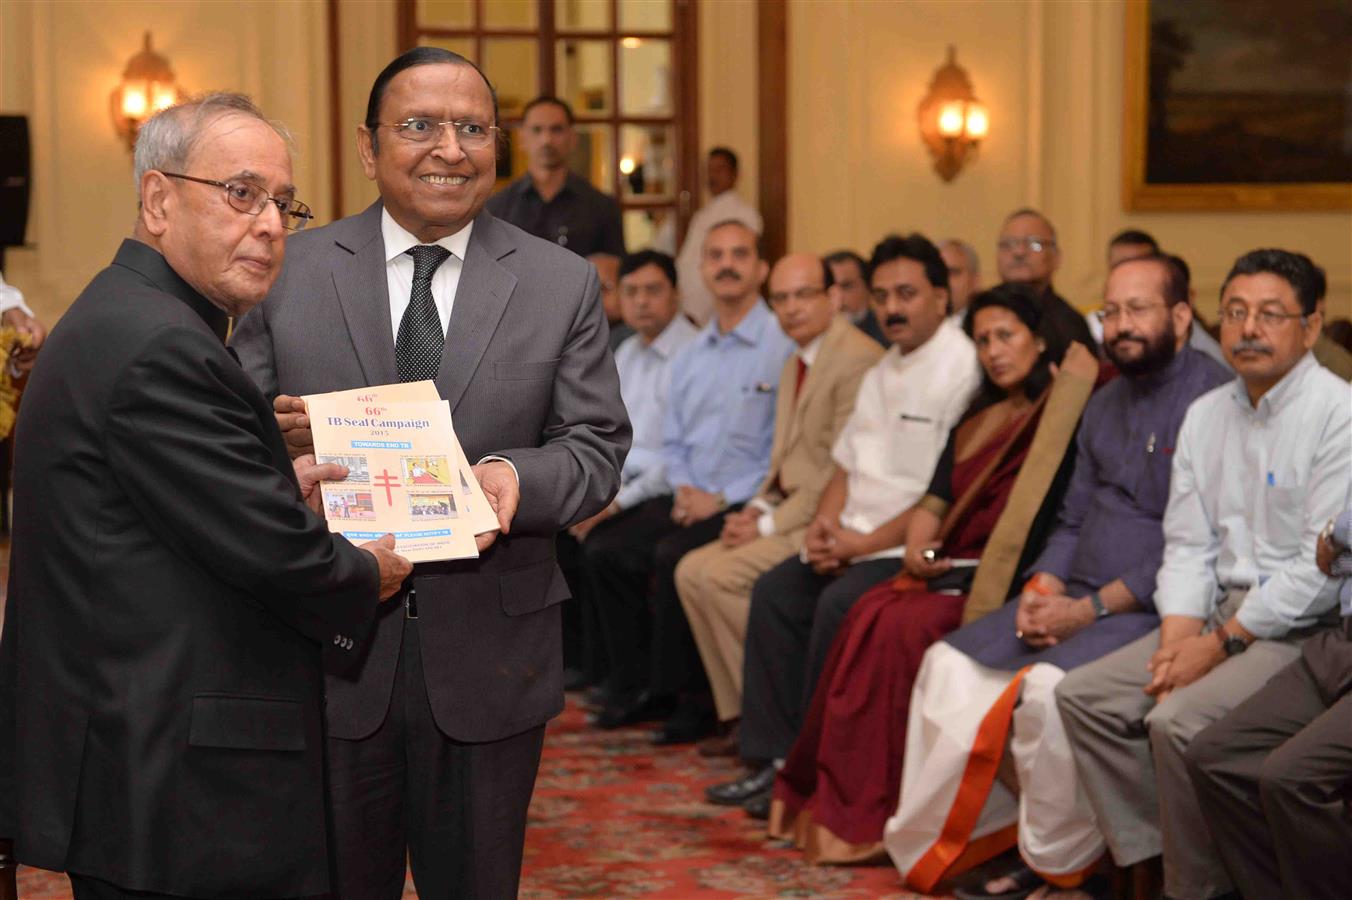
725, 205
550, 201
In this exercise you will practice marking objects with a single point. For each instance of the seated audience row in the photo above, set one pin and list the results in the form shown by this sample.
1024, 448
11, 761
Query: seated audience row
878, 571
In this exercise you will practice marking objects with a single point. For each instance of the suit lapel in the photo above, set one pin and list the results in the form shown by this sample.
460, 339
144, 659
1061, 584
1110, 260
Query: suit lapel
817, 375
364, 295
480, 300
784, 417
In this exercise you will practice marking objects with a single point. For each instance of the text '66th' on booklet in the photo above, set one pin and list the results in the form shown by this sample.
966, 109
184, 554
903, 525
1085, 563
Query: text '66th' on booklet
407, 473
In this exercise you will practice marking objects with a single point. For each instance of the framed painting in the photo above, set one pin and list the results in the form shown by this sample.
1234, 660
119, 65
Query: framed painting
1238, 105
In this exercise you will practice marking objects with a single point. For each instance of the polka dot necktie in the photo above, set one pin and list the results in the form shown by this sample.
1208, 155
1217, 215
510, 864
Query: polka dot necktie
417, 349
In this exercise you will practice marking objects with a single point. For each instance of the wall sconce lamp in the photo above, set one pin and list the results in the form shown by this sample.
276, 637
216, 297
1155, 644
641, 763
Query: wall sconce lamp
952, 121
148, 86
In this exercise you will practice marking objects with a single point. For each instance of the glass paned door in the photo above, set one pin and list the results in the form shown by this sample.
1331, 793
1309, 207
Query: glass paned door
627, 69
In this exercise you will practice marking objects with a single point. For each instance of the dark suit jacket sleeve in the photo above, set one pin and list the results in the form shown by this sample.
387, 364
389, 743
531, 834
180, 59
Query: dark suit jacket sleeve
187, 444
9, 664
253, 342
575, 471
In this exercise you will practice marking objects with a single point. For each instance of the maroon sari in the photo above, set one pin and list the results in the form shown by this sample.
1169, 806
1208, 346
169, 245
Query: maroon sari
840, 781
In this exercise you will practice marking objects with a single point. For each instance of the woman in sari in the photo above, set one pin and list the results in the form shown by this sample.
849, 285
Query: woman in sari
991, 500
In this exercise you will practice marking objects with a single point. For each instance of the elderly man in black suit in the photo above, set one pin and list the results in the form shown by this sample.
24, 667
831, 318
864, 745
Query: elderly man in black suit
435, 738
171, 592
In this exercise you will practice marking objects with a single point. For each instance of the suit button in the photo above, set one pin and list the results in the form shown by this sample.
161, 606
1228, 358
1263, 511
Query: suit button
337, 639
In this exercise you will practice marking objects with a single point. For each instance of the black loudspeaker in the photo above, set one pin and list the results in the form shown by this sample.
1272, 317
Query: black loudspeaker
14, 180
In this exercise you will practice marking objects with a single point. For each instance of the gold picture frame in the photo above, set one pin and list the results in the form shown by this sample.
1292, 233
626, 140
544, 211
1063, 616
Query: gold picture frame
1140, 195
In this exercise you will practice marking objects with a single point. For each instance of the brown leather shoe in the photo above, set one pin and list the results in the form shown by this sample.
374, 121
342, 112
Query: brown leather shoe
726, 743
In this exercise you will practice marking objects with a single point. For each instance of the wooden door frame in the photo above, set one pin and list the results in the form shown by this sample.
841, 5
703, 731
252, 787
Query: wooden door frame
772, 42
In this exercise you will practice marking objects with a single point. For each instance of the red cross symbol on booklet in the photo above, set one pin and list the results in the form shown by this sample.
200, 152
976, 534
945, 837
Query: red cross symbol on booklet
388, 482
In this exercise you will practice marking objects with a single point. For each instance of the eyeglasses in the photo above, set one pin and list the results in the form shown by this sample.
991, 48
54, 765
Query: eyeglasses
1268, 319
1034, 245
802, 293
251, 199
653, 290
420, 130
1133, 311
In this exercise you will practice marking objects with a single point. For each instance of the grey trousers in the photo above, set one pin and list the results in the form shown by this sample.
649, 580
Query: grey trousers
1129, 751
1273, 777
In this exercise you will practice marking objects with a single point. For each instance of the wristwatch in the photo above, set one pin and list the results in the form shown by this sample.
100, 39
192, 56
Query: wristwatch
1100, 610
1232, 644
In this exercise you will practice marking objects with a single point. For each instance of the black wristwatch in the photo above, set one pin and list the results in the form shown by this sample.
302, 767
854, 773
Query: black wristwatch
1232, 644
1100, 611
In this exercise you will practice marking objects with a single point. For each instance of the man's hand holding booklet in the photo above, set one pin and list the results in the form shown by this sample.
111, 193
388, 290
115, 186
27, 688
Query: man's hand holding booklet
407, 473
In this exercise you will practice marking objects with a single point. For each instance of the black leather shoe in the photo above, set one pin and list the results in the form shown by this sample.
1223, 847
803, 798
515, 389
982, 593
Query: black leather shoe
630, 709
735, 793
758, 807
575, 679
597, 697
687, 725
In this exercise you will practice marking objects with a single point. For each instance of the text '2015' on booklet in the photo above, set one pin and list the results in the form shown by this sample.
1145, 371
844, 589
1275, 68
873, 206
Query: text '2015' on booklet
407, 473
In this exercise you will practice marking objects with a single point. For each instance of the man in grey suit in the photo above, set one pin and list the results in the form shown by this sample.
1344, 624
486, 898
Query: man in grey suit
435, 734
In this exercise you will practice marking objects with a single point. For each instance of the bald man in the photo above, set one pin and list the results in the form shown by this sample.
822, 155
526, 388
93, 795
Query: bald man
817, 389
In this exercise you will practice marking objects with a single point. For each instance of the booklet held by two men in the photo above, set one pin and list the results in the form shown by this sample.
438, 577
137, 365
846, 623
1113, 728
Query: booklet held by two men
407, 473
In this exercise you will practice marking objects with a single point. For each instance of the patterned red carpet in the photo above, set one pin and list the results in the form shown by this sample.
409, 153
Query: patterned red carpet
612, 818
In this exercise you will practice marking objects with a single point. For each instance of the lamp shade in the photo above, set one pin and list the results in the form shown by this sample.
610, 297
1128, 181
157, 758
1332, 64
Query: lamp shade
148, 85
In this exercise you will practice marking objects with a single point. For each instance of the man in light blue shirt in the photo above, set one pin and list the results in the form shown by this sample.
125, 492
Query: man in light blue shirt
1262, 463
718, 429
650, 307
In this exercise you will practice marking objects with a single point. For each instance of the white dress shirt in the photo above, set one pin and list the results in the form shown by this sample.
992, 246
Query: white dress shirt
399, 269
1250, 491
645, 376
889, 446
445, 281
12, 298
696, 300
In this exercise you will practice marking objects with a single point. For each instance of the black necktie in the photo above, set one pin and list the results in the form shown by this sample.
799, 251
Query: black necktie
417, 349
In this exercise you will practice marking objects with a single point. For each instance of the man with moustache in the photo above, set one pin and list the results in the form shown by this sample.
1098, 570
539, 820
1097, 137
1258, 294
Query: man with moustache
964, 276
1095, 582
1261, 465
717, 432
849, 282
817, 389
173, 591
550, 201
884, 457
1027, 253
435, 736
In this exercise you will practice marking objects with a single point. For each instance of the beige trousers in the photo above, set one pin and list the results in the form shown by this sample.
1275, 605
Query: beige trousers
714, 584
